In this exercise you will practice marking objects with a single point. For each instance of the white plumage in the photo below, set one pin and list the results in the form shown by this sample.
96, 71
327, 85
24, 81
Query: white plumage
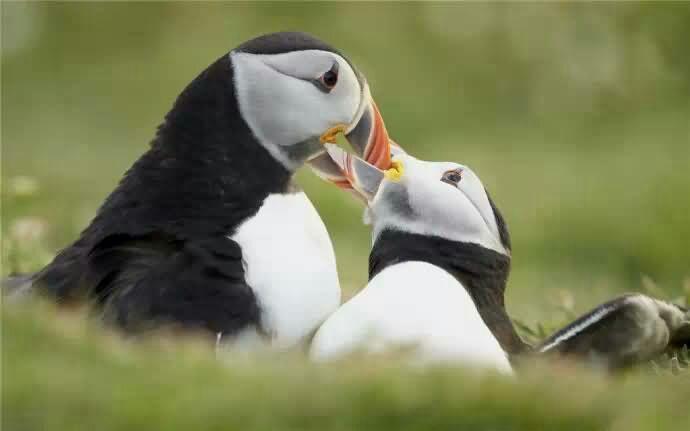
412, 305
291, 267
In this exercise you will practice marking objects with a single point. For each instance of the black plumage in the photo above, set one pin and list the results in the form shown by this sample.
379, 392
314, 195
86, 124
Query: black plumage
158, 249
152, 252
193, 284
284, 41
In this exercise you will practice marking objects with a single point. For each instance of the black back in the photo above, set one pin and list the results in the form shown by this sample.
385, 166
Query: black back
152, 253
205, 171
483, 272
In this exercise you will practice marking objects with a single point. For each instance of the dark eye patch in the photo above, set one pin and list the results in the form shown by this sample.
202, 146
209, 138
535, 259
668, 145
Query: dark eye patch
452, 177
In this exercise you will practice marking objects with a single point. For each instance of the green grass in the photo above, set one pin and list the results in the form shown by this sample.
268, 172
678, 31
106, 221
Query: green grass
61, 373
575, 116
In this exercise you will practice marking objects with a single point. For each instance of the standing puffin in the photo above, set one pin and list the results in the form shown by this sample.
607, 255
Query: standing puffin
207, 230
437, 269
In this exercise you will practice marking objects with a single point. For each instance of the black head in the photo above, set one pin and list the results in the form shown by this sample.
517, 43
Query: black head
284, 41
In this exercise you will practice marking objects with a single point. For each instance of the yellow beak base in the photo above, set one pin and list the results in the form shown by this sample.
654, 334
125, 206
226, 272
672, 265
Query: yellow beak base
395, 173
331, 134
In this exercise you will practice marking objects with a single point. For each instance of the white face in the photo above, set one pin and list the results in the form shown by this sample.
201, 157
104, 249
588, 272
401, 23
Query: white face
428, 199
291, 98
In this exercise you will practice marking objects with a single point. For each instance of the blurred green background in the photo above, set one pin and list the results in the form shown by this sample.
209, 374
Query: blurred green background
576, 117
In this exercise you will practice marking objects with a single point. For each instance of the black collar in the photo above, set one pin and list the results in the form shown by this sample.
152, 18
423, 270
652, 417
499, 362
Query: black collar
483, 272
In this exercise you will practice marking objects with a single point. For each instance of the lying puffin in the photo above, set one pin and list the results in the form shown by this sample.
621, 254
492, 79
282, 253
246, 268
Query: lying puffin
437, 274
625, 331
437, 269
207, 230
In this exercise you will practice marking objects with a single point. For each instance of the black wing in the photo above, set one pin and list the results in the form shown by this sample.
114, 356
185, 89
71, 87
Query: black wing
144, 282
622, 332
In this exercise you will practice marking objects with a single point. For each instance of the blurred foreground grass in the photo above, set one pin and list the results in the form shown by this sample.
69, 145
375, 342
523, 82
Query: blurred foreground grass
59, 373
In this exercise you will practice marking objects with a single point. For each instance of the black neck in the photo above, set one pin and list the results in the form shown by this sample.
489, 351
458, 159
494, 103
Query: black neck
204, 173
483, 272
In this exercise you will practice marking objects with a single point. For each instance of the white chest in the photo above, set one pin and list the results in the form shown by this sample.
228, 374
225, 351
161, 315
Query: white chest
412, 304
290, 265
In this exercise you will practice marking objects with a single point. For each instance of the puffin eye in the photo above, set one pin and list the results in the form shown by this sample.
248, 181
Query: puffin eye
452, 177
328, 80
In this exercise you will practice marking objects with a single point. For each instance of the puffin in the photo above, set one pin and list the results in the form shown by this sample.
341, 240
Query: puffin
208, 231
437, 274
437, 268
625, 331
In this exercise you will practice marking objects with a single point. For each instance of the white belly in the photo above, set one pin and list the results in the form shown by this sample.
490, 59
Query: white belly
412, 305
290, 265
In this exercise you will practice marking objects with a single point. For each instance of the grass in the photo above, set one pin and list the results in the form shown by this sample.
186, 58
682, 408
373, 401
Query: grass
61, 373
575, 116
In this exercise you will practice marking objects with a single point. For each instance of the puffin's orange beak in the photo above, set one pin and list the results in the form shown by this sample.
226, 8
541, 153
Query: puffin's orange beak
369, 138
